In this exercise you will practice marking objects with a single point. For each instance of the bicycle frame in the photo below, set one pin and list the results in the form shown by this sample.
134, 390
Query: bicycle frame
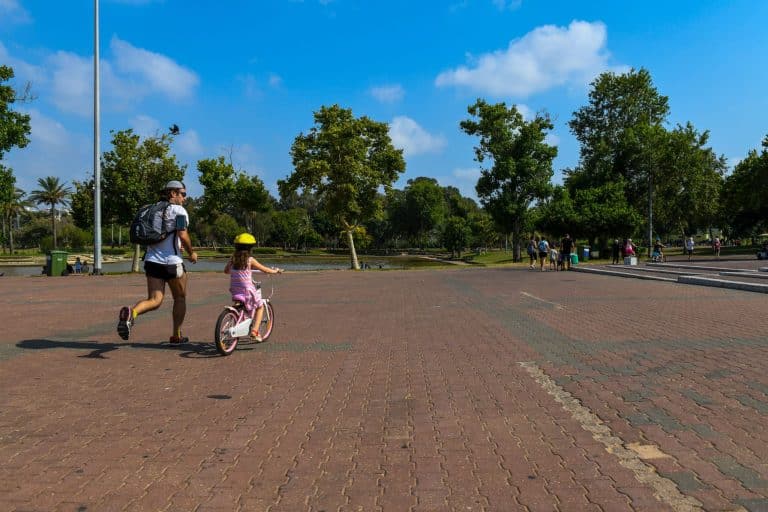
234, 323
243, 326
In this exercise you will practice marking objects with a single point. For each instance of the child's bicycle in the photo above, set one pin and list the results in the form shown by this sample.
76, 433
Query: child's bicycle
235, 324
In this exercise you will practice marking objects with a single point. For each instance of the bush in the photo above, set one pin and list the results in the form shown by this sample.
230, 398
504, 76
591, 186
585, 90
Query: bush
113, 251
46, 243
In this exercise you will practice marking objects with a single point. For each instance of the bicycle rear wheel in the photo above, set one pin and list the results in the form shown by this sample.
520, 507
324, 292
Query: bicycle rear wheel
267, 321
225, 342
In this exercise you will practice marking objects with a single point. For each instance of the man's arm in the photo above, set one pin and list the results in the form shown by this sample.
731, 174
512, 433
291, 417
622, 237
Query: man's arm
186, 242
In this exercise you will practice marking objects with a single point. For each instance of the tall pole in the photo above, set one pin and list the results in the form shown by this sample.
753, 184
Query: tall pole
96, 147
650, 190
650, 210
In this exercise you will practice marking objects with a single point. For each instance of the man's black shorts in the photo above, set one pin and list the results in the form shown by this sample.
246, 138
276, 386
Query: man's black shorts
164, 272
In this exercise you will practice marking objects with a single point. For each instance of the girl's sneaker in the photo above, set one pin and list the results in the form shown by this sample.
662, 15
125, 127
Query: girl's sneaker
178, 340
256, 337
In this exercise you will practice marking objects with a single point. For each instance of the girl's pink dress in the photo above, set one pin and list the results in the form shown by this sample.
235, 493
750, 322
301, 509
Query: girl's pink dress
243, 289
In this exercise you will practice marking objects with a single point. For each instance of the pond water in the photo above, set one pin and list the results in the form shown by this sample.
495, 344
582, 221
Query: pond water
217, 264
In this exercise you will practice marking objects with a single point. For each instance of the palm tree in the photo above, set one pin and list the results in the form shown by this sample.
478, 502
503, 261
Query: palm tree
51, 193
12, 207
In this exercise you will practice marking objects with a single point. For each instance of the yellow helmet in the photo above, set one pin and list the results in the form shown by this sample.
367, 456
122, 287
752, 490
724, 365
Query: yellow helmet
245, 239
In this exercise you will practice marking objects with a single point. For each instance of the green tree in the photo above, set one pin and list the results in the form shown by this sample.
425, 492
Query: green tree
232, 192
345, 160
557, 213
292, 228
12, 205
7, 188
745, 194
603, 212
688, 179
458, 205
81, 204
134, 172
521, 163
14, 126
456, 235
424, 208
483, 229
51, 193
607, 130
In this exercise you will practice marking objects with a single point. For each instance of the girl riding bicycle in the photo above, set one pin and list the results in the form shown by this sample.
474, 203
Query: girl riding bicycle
240, 267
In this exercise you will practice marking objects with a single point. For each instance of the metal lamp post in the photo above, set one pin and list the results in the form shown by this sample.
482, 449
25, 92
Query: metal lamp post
96, 147
650, 194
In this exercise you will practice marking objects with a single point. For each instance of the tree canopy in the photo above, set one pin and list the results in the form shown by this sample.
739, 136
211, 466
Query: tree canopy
345, 160
14, 126
521, 163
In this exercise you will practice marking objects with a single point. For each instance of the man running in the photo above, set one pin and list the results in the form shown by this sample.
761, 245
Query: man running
163, 264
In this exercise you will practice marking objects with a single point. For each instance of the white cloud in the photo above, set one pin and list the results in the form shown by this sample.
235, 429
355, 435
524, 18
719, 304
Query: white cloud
467, 173
412, 138
53, 150
66, 78
525, 111
250, 86
507, 5
275, 80
12, 12
162, 74
145, 126
188, 143
71, 82
552, 139
546, 57
388, 93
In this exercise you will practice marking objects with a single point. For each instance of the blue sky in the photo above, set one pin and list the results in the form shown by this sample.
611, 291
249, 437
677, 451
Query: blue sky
242, 78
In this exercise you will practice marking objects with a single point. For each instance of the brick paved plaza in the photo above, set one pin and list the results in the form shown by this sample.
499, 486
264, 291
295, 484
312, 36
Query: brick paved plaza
468, 389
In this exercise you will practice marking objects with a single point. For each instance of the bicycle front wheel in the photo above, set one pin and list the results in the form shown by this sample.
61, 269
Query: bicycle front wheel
225, 342
267, 321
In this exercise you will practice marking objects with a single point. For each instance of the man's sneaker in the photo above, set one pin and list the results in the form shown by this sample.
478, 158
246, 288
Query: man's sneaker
178, 340
125, 322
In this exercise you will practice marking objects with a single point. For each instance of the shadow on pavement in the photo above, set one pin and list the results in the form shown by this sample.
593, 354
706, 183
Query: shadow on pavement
96, 350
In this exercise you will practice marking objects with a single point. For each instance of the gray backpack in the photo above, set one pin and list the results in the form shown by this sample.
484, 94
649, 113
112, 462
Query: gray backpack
148, 227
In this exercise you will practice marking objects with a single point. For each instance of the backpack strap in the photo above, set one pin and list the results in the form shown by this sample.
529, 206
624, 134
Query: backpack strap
175, 234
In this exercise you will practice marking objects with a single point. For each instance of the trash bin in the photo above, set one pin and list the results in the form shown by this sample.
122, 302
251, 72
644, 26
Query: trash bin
585, 254
574, 258
56, 263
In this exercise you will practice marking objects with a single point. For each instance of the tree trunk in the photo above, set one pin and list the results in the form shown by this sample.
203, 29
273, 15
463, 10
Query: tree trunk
353, 254
53, 225
10, 236
135, 263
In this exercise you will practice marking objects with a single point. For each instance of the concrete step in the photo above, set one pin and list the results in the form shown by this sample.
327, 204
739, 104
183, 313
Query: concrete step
724, 283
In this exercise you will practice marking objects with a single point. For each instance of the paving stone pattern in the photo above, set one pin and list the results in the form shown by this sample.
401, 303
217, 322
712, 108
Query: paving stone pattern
384, 390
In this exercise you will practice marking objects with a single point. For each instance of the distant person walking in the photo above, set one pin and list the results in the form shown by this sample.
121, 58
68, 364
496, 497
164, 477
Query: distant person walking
163, 264
543, 252
716, 247
615, 251
553, 258
689, 245
629, 248
566, 248
531, 250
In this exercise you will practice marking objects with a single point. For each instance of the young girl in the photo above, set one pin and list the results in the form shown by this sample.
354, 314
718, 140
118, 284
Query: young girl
553, 258
241, 286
